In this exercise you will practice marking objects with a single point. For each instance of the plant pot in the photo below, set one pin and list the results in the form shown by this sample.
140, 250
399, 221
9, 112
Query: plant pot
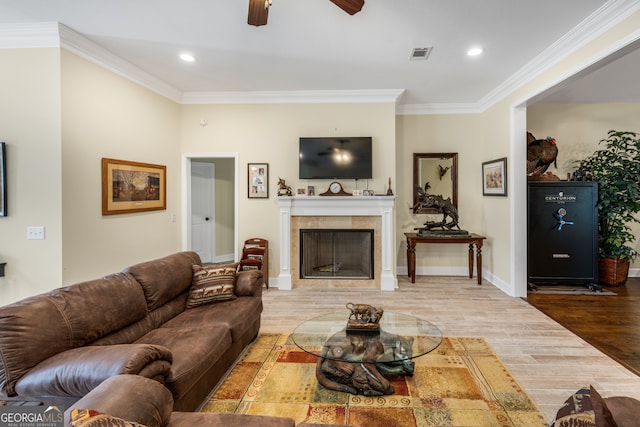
613, 271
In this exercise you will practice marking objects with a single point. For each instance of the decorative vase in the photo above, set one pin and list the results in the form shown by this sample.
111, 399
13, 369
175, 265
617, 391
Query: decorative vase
613, 271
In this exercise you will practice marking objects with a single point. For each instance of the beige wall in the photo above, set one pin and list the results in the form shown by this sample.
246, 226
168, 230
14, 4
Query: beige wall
225, 224
578, 128
30, 126
270, 134
492, 134
504, 125
104, 115
61, 114
437, 134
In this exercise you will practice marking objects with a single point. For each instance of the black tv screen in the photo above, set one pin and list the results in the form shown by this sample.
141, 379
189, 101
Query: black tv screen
335, 158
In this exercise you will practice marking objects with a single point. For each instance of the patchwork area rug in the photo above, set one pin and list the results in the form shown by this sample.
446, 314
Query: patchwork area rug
461, 383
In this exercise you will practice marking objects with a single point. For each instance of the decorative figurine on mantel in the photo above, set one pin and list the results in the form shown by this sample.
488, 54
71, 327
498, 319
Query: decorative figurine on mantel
283, 188
364, 318
389, 190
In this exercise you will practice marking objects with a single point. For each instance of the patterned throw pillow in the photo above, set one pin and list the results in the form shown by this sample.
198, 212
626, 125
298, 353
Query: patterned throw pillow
585, 408
91, 418
210, 284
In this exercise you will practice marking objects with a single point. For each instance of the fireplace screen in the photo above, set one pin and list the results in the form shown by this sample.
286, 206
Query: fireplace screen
336, 254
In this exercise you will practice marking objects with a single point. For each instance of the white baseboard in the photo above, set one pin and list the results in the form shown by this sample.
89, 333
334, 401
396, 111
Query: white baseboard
224, 258
402, 270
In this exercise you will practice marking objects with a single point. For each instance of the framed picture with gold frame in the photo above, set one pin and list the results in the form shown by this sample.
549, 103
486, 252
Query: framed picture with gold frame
129, 187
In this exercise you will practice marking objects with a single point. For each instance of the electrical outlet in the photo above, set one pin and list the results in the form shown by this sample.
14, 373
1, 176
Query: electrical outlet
35, 233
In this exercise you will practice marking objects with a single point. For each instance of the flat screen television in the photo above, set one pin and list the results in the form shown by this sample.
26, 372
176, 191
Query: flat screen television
335, 158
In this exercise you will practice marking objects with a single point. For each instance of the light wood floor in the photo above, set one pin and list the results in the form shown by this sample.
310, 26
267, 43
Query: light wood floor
549, 361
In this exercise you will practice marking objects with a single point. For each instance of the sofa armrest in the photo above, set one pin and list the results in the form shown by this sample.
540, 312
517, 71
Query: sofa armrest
130, 397
248, 282
625, 410
77, 371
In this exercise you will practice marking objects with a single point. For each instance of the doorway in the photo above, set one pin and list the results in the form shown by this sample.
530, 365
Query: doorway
210, 206
518, 203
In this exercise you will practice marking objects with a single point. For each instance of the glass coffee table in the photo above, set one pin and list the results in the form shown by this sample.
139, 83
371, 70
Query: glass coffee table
360, 362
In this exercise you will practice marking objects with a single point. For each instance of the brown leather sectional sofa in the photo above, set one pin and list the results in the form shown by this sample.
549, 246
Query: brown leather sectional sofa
59, 346
137, 399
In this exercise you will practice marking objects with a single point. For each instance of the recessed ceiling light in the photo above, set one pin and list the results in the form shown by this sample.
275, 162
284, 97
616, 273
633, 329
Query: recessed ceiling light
187, 57
475, 51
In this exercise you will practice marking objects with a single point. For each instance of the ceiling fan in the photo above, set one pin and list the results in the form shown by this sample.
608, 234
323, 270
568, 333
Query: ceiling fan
259, 9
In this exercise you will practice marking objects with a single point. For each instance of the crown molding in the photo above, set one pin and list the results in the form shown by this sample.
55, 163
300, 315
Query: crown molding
80, 45
56, 35
606, 17
293, 97
29, 36
427, 109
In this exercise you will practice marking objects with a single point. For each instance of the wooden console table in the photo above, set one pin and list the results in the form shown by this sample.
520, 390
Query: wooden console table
470, 239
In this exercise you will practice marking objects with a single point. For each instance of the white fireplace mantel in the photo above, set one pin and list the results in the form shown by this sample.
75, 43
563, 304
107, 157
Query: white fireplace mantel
380, 206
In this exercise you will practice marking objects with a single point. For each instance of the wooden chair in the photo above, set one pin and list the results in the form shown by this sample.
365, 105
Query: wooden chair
255, 255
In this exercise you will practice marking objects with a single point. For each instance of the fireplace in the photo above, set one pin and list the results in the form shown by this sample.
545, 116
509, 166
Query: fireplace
337, 213
336, 254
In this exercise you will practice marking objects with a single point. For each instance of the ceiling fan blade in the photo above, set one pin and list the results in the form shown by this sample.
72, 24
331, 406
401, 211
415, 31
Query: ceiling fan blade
258, 12
350, 6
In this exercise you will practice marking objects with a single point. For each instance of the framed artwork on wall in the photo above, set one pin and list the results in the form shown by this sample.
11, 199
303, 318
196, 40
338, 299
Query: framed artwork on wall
3, 179
494, 177
129, 187
258, 180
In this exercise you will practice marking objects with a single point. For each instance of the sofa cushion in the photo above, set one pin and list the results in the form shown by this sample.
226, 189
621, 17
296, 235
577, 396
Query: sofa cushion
211, 284
194, 350
584, 408
236, 315
91, 418
66, 318
152, 320
164, 279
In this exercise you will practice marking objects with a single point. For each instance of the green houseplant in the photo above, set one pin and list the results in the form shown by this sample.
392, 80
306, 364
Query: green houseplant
616, 168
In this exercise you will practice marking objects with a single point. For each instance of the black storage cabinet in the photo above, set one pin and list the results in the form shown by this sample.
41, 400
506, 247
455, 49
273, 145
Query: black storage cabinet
562, 242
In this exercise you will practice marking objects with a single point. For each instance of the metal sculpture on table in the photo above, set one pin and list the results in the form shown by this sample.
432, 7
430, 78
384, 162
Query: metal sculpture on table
363, 317
448, 224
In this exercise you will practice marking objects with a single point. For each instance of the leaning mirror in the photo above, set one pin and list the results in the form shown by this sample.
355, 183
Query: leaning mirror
437, 174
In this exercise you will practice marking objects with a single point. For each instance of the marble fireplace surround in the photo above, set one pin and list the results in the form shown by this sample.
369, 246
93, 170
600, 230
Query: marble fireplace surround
368, 212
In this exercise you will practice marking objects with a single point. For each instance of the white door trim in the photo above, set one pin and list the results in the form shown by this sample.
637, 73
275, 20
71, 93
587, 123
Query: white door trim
186, 196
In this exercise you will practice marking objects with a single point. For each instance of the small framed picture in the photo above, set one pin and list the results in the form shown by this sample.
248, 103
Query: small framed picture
301, 192
494, 177
258, 180
311, 190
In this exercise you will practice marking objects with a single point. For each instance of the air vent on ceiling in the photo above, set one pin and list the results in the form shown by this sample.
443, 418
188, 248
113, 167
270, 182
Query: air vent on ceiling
420, 52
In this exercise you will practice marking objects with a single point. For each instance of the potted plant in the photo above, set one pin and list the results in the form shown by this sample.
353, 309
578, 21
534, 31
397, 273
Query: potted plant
616, 168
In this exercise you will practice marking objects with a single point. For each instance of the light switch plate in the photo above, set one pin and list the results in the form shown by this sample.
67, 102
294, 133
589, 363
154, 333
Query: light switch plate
35, 233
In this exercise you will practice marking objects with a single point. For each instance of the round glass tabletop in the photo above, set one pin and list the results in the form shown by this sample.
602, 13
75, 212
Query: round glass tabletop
399, 338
